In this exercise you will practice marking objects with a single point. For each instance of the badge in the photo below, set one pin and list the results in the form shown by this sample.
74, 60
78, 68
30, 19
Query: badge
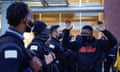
34, 47
10, 54
51, 46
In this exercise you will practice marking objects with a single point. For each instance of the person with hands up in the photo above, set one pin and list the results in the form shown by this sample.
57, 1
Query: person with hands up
88, 49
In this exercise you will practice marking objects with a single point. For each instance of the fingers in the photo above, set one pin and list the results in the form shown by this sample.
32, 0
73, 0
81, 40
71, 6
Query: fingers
68, 25
36, 64
53, 55
48, 58
100, 27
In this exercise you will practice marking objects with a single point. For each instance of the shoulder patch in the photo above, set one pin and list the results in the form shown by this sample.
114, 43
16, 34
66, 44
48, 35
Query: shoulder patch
51, 46
10, 54
34, 47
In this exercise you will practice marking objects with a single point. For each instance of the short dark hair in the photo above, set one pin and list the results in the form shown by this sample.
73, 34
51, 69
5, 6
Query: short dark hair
99, 22
54, 28
39, 26
88, 27
16, 12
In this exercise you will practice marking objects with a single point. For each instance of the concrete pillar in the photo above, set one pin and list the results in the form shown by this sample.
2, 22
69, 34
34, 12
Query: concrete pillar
112, 17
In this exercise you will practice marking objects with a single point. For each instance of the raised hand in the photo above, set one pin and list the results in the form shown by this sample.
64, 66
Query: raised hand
100, 26
68, 25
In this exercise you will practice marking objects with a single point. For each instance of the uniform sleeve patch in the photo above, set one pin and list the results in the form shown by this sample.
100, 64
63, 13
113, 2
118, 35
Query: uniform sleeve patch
51, 46
10, 54
34, 47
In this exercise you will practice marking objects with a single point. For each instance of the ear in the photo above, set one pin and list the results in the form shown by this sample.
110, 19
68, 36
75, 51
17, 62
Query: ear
53, 33
24, 20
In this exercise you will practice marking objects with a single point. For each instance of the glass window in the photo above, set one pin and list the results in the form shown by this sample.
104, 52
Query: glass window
90, 2
63, 2
78, 19
50, 18
56, 2
84, 2
32, 4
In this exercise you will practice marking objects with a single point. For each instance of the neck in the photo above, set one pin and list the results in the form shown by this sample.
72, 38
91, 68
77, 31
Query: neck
55, 37
17, 28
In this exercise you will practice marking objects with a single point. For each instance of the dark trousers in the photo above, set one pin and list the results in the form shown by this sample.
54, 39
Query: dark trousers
108, 63
69, 62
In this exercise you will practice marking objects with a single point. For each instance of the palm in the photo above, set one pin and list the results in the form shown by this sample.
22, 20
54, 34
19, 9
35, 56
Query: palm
100, 27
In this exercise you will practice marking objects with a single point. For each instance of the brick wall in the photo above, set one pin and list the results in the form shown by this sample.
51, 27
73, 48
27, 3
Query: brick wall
112, 17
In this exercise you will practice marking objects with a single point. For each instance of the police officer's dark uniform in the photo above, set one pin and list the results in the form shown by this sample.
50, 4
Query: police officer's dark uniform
61, 56
109, 59
64, 57
54, 44
12, 55
39, 47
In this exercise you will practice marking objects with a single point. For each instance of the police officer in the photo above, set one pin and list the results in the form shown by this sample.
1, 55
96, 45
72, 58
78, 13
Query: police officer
38, 45
13, 55
110, 59
89, 51
64, 57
